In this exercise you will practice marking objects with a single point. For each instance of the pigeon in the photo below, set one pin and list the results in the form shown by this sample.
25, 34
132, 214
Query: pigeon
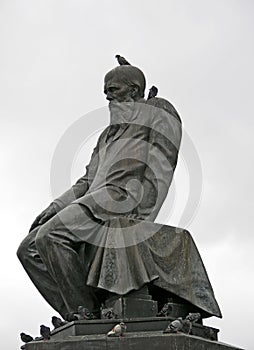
210, 333
84, 314
122, 61
174, 326
57, 322
153, 91
166, 310
193, 317
187, 326
189, 320
118, 330
26, 338
45, 332
108, 313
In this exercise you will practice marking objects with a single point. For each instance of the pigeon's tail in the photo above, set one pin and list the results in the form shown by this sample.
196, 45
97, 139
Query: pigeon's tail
110, 333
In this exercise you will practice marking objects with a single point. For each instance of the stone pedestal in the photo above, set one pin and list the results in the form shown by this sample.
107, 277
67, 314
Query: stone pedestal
141, 333
135, 304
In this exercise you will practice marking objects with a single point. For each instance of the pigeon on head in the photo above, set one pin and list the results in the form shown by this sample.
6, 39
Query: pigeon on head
122, 61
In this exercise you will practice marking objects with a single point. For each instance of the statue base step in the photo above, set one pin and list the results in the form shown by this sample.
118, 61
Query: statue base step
147, 324
131, 341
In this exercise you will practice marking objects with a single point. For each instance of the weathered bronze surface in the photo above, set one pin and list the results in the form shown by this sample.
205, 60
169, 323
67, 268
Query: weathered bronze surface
98, 239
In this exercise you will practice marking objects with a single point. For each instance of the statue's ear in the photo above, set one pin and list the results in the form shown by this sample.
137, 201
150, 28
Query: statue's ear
135, 91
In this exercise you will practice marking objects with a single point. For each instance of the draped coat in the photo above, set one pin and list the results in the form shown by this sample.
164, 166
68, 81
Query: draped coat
125, 185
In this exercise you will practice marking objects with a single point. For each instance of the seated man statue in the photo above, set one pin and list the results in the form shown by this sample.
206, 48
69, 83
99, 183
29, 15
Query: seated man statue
99, 238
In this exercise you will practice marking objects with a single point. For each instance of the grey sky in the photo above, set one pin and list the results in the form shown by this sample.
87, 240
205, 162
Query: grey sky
200, 54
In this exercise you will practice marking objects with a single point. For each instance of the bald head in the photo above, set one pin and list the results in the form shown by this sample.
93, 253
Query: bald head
124, 83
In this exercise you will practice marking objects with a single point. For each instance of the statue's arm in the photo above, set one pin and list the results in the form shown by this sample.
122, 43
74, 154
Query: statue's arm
76, 191
80, 188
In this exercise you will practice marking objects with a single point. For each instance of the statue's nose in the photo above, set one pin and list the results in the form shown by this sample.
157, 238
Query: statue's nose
109, 97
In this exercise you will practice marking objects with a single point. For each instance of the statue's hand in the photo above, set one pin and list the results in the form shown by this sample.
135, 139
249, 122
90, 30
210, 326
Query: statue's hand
47, 214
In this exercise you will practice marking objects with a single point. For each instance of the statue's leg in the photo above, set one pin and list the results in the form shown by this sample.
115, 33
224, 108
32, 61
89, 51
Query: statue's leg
58, 242
37, 271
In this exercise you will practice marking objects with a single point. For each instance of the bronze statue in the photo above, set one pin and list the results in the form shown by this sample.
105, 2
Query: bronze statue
99, 238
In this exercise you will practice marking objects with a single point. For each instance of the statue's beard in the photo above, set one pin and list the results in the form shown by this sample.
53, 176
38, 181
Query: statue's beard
121, 111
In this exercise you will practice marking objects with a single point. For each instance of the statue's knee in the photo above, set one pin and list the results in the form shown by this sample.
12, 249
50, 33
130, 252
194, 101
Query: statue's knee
41, 238
22, 251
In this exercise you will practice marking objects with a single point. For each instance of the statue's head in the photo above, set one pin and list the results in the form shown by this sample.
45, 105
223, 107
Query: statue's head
124, 84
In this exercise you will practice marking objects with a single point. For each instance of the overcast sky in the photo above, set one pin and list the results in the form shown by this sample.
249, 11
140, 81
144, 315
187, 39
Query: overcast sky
200, 54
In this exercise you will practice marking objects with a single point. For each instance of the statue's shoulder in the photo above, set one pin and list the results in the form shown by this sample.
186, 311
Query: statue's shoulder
164, 104
104, 133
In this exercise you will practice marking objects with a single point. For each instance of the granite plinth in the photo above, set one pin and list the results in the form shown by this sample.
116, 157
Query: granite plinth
141, 332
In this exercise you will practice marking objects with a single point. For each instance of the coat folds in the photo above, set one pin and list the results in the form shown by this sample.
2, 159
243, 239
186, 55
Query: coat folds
124, 187
148, 252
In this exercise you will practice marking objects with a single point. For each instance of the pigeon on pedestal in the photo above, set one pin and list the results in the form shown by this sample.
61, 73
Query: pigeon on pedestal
26, 338
174, 326
182, 326
108, 313
57, 322
189, 320
165, 311
118, 330
45, 332
84, 314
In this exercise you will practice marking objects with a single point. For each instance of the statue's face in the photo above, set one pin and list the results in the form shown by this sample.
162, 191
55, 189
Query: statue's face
117, 90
